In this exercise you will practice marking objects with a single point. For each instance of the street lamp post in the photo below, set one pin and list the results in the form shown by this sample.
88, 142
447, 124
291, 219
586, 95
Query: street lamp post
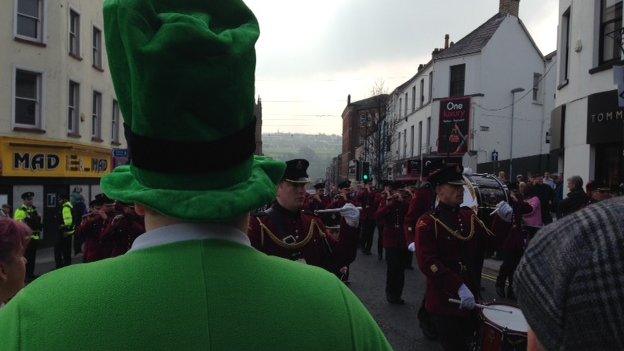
513, 105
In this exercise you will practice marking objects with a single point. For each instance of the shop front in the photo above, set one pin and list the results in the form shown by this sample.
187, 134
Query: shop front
605, 133
49, 169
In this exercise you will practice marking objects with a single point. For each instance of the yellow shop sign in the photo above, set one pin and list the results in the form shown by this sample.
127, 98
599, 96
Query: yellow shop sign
31, 158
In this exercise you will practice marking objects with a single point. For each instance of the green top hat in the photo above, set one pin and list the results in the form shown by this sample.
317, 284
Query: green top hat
184, 72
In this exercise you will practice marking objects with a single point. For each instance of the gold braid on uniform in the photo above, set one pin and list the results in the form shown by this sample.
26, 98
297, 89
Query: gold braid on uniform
296, 246
457, 233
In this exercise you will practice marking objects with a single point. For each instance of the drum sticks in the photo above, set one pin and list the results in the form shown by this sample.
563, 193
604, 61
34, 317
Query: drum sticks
482, 306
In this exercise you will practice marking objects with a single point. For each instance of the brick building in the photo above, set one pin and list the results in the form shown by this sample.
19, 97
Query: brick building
359, 118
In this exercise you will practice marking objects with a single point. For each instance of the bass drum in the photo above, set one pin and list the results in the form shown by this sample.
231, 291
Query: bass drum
482, 193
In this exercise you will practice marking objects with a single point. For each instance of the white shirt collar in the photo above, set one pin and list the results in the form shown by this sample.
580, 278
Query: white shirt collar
189, 231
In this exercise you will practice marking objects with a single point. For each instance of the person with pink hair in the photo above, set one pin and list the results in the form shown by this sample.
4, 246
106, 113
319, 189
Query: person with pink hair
14, 238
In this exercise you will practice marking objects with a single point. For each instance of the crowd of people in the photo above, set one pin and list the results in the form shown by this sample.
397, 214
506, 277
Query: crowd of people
185, 260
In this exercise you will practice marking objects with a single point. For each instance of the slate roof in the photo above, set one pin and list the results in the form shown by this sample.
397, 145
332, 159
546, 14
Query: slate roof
475, 41
370, 102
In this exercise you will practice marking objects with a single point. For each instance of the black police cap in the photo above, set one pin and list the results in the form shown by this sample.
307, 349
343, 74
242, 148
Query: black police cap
449, 174
28, 195
296, 171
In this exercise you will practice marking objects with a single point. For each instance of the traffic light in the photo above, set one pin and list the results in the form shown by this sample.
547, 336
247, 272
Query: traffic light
366, 174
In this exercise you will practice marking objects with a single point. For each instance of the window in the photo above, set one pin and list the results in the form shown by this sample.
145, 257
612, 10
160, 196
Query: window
400, 106
537, 82
73, 108
29, 19
458, 75
27, 99
405, 104
412, 142
430, 86
428, 145
420, 139
115, 123
405, 143
413, 98
74, 33
422, 92
96, 117
97, 48
610, 30
565, 40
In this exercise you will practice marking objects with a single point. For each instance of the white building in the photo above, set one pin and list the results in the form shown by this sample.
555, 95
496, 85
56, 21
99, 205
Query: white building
587, 125
59, 119
470, 83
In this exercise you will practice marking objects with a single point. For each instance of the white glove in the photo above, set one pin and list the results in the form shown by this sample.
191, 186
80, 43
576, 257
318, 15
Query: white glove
411, 247
351, 215
504, 211
466, 297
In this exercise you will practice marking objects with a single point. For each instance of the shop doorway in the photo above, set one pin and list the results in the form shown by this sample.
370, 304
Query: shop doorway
610, 165
51, 211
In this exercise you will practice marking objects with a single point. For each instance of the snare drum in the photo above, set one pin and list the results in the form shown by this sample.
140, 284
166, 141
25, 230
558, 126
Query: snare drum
502, 331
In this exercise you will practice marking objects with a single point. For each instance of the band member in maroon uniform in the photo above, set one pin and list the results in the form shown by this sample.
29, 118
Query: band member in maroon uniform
446, 246
91, 227
367, 200
380, 198
318, 201
392, 215
120, 233
285, 230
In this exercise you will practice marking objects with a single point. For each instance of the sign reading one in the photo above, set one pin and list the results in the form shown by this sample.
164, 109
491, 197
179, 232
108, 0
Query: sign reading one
454, 126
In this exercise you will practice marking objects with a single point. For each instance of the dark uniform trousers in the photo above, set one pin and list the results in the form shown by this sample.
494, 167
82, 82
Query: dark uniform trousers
455, 333
511, 259
62, 251
396, 259
380, 240
367, 231
31, 256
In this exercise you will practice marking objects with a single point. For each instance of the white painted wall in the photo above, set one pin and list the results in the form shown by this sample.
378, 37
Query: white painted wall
584, 36
509, 61
58, 68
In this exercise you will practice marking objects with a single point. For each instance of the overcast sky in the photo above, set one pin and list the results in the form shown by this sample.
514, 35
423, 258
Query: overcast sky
312, 54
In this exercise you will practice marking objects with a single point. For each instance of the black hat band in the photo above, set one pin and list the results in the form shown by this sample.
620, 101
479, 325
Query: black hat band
171, 156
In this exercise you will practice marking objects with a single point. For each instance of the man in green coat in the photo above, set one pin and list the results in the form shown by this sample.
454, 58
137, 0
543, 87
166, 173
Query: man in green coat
184, 75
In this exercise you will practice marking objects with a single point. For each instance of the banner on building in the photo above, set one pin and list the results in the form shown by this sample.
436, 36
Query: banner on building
454, 131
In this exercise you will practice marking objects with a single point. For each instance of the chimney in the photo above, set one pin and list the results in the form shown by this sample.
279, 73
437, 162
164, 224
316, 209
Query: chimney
446, 41
509, 7
349, 99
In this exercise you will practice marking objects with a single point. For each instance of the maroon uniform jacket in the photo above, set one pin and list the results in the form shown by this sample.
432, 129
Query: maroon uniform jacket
445, 260
368, 201
302, 235
90, 230
391, 216
120, 233
313, 204
421, 203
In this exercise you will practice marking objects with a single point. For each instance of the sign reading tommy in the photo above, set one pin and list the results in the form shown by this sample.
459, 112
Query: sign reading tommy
454, 126
605, 118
